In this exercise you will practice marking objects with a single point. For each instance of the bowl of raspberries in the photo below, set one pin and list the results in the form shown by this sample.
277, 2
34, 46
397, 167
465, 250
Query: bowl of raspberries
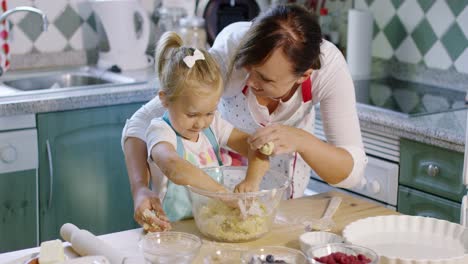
340, 253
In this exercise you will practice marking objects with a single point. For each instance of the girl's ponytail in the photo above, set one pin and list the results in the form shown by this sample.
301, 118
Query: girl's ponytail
167, 46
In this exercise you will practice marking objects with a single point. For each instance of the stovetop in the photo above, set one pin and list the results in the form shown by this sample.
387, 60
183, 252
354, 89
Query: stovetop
408, 98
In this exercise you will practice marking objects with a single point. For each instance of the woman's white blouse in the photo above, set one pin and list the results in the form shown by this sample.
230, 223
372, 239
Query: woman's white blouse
332, 87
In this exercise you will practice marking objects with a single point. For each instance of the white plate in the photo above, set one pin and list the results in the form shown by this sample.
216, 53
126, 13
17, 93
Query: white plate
410, 239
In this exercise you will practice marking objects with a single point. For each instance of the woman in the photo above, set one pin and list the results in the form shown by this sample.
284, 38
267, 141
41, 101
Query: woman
276, 70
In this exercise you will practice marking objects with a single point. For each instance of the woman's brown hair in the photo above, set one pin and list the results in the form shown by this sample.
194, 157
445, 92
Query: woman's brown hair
290, 27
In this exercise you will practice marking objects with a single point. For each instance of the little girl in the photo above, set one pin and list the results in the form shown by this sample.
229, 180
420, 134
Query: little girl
191, 132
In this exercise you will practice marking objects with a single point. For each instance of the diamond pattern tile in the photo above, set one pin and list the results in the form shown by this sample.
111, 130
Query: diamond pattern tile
68, 22
20, 42
440, 17
381, 48
397, 3
454, 41
414, 31
426, 4
437, 57
52, 8
457, 6
410, 14
19, 15
31, 25
424, 36
82, 7
462, 21
376, 30
369, 2
408, 52
461, 64
395, 32
85, 38
383, 11
51, 41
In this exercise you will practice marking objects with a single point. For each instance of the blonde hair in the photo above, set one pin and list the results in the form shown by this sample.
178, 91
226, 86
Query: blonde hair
176, 77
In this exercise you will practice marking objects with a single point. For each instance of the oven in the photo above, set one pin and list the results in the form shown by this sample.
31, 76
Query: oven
380, 181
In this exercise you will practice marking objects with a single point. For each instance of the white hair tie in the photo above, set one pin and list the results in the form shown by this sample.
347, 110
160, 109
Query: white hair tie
190, 60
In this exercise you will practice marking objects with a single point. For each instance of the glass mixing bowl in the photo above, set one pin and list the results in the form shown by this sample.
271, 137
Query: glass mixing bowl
323, 253
273, 254
169, 247
237, 217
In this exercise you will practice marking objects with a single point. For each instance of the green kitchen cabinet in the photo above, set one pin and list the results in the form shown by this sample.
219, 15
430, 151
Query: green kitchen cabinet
18, 212
414, 202
431, 181
82, 174
432, 169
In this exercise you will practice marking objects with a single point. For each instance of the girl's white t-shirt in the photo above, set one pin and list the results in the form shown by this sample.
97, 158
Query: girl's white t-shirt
199, 153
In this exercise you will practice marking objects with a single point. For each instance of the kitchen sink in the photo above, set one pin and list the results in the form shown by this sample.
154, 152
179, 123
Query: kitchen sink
55, 81
84, 77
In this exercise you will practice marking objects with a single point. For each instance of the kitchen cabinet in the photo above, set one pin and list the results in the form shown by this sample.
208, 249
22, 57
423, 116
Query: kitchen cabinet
82, 173
18, 212
431, 181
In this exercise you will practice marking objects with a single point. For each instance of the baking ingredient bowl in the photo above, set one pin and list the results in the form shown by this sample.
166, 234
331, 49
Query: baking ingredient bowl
222, 256
169, 247
340, 253
273, 254
237, 217
311, 239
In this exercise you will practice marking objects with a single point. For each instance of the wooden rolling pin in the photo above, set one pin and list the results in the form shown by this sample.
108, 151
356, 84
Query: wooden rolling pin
87, 244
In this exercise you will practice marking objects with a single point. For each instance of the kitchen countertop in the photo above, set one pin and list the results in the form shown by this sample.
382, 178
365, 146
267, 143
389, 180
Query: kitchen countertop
284, 233
445, 130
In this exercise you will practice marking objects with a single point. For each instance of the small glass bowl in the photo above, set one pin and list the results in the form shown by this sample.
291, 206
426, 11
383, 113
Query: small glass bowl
169, 247
273, 253
320, 251
223, 256
310, 239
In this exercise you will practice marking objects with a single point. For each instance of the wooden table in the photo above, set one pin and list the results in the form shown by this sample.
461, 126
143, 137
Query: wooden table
351, 209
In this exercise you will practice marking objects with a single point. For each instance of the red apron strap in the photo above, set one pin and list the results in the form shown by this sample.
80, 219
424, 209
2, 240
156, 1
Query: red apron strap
244, 90
307, 90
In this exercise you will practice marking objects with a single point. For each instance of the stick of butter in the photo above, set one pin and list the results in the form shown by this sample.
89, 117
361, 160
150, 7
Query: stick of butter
51, 252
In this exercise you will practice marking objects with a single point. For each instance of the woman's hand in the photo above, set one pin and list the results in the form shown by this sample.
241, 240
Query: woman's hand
286, 139
147, 201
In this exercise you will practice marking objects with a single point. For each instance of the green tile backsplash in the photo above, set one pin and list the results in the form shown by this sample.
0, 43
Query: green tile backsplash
428, 32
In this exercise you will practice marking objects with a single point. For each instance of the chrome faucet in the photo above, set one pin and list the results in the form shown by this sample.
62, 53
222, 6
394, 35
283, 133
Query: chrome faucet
45, 22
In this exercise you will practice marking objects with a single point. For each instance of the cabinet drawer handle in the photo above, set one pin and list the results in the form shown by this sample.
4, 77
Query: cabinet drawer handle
432, 170
51, 174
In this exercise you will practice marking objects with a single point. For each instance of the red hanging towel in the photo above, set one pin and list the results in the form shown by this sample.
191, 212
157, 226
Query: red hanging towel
5, 46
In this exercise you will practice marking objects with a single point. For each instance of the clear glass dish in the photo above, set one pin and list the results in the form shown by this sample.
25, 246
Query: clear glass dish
273, 254
169, 247
237, 217
321, 253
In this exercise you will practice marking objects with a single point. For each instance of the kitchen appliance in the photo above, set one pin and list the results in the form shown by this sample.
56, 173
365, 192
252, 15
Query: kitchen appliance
220, 13
127, 28
408, 98
18, 182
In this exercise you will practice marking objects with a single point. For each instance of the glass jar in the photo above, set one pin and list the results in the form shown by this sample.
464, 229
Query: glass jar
167, 19
192, 30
